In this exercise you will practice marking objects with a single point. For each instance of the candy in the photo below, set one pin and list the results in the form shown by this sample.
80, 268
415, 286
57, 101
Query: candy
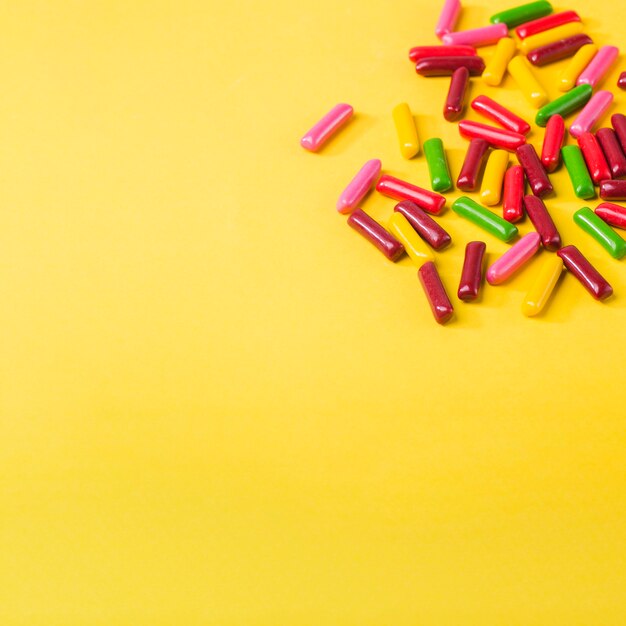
599, 66
425, 226
496, 112
401, 190
521, 14
485, 219
586, 273
618, 121
578, 173
612, 214
402, 230
565, 104
621, 81
612, 151
359, 186
601, 232
536, 174
558, 50
543, 286
376, 234
435, 293
526, 81
445, 66
513, 259
472, 273
448, 17
575, 67
495, 69
546, 23
493, 178
613, 189
437, 165
547, 37
552, 142
512, 205
423, 52
406, 130
542, 222
455, 99
594, 158
476, 37
326, 127
472, 165
593, 111
497, 137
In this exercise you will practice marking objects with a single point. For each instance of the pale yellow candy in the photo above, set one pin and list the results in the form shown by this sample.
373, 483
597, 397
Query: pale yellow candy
491, 190
550, 36
495, 69
575, 67
407, 133
519, 69
415, 247
543, 285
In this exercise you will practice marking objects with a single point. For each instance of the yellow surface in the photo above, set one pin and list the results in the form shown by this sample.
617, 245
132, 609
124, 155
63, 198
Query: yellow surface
220, 405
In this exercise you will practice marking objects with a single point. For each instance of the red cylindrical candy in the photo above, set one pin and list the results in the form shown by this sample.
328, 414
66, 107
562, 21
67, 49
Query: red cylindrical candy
536, 174
376, 234
456, 94
445, 66
546, 23
612, 214
431, 232
469, 177
613, 189
513, 195
435, 292
558, 50
542, 222
621, 81
501, 115
552, 143
612, 151
586, 273
424, 52
498, 137
594, 158
472, 274
618, 121
401, 190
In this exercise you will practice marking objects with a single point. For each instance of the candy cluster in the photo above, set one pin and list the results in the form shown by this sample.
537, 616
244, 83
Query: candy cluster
599, 159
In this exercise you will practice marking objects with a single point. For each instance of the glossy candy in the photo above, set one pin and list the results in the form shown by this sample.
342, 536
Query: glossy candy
472, 273
484, 36
406, 130
542, 222
498, 137
484, 218
543, 285
513, 259
546, 23
423, 52
359, 186
618, 121
558, 50
548, 37
402, 230
376, 234
578, 172
445, 66
599, 66
401, 190
513, 203
499, 114
455, 99
522, 14
437, 165
326, 127
425, 226
612, 214
448, 17
565, 104
491, 190
601, 232
534, 93
607, 138
435, 293
613, 189
593, 111
552, 143
472, 165
536, 174
575, 67
586, 273
594, 158
496, 67
621, 81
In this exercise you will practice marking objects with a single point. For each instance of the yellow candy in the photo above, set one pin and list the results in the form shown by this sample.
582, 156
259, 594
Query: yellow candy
526, 81
575, 67
491, 189
550, 36
405, 233
407, 133
542, 287
494, 71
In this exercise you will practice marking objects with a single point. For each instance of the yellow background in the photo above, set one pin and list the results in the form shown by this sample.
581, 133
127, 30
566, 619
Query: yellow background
219, 405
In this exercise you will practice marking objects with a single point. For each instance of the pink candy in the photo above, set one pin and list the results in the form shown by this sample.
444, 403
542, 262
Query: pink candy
593, 111
484, 36
448, 18
513, 259
326, 127
359, 186
599, 66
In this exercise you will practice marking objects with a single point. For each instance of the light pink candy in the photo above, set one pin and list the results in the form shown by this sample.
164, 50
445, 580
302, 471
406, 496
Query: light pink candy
476, 37
599, 66
359, 186
593, 111
326, 127
513, 259
449, 15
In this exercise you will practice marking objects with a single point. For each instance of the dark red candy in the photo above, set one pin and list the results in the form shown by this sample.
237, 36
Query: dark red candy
613, 189
558, 50
535, 172
435, 292
621, 82
472, 274
431, 232
594, 158
456, 94
542, 222
586, 273
618, 121
612, 214
469, 178
445, 66
376, 234
612, 151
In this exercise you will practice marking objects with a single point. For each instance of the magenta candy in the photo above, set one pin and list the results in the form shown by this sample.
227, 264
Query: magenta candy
472, 273
599, 66
483, 36
456, 94
448, 17
425, 226
337, 117
513, 259
376, 234
501, 115
472, 165
535, 172
559, 50
359, 186
445, 66
435, 292
586, 273
592, 112
612, 151
539, 216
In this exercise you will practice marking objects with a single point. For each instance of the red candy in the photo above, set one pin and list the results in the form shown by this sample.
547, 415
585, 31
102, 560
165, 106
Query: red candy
621, 81
424, 52
499, 114
542, 222
445, 66
594, 158
558, 50
546, 23
472, 165
618, 121
472, 274
552, 143
456, 94
536, 174
376, 234
612, 214
401, 190
513, 202
613, 189
435, 292
586, 273
498, 137
612, 151
433, 234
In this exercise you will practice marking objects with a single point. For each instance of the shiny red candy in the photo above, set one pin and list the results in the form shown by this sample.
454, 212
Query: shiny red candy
621, 81
542, 222
513, 194
613, 189
472, 165
445, 66
498, 137
501, 115
558, 50
552, 143
472, 274
435, 292
594, 158
546, 23
612, 214
612, 151
401, 190
618, 121
433, 234
376, 234
586, 273
535, 172
456, 94
424, 52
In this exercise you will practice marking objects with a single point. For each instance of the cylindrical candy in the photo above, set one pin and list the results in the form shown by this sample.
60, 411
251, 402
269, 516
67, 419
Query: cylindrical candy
542, 222
621, 81
599, 66
543, 285
575, 67
613, 189
425, 226
558, 50
578, 172
552, 143
536, 174
586, 273
496, 67
455, 99
534, 93
498, 137
564, 105
448, 17
499, 114
435, 292
445, 66
376, 234
612, 214
513, 203
326, 127
522, 14
593, 111
491, 190
359, 186
547, 37
484, 218
613, 152
472, 165
476, 37
594, 158
546, 23
406, 130
401, 190
601, 232
437, 165
618, 121
513, 259
402, 230
472, 273
423, 52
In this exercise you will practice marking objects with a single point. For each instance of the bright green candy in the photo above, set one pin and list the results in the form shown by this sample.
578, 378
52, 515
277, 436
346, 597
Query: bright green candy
578, 172
524, 13
437, 165
601, 232
566, 104
492, 223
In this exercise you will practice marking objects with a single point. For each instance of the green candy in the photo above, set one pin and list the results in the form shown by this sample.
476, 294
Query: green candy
601, 232
437, 165
566, 104
492, 223
524, 13
578, 172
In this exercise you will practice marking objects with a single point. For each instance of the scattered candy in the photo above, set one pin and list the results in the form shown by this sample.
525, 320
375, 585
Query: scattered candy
437, 165
543, 286
546, 23
599, 66
425, 226
578, 172
485, 219
513, 203
472, 273
376, 234
402, 230
591, 114
618, 121
586, 273
613, 152
536, 174
552, 143
612, 214
406, 130
521, 14
513, 259
455, 100
401, 190
326, 127
575, 67
448, 17
445, 66
499, 114
472, 165
423, 52
491, 190
476, 37
435, 292
497, 137
565, 104
594, 158
496, 68
526, 81
613, 189
359, 186
542, 222
601, 232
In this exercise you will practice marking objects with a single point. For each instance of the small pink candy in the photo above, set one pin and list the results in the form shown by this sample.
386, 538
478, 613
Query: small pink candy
448, 18
476, 37
359, 186
593, 111
513, 259
599, 66
326, 127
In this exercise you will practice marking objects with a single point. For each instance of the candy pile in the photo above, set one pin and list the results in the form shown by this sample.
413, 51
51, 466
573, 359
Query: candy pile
598, 159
